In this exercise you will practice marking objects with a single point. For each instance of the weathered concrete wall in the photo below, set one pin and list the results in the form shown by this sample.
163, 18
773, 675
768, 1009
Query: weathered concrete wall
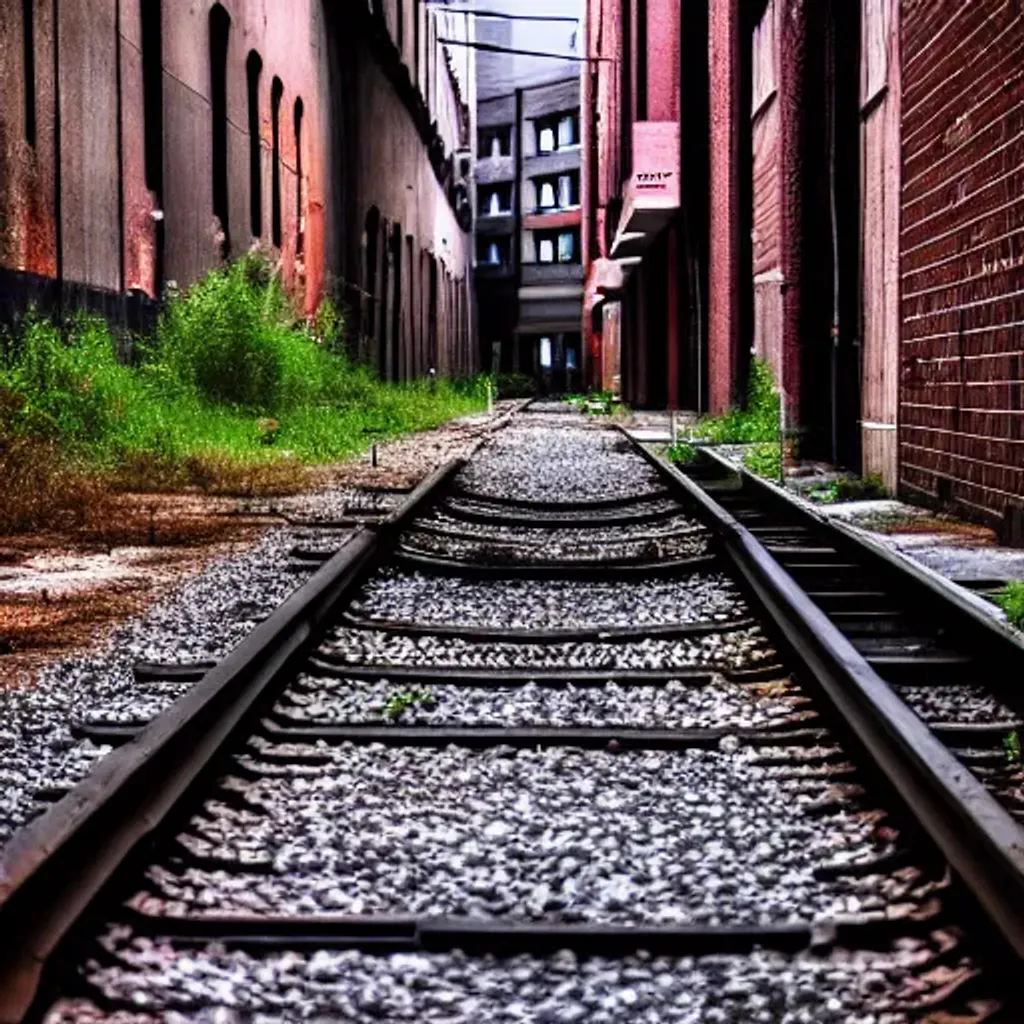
91, 223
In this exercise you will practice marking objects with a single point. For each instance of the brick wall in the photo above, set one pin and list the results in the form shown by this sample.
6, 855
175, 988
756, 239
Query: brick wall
961, 410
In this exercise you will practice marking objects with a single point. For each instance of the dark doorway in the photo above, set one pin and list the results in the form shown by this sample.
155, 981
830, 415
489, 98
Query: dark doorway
276, 94
153, 115
220, 26
830, 344
253, 70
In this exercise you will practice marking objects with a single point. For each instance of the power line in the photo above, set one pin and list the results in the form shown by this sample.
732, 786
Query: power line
494, 48
507, 17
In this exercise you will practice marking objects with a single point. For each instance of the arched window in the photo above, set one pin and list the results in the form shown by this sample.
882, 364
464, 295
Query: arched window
253, 70
28, 28
276, 93
372, 236
300, 214
494, 207
220, 26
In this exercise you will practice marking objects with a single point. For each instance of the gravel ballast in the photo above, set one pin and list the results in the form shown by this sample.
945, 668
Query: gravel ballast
676, 705
395, 596
173, 986
732, 651
556, 834
560, 462
201, 621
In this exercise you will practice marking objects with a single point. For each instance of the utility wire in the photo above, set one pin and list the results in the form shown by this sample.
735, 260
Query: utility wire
494, 48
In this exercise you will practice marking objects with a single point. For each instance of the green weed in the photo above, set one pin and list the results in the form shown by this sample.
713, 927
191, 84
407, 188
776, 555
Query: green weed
1012, 747
681, 453
398, 703
1011, 600
764, 459
759, 421
232, 390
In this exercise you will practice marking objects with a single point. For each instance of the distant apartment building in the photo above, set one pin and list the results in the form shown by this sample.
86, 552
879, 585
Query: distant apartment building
529, 270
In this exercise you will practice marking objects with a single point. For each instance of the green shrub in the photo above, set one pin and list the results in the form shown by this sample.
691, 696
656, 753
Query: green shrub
1011, 600
682, 453
759, 421
764, 459
233, 383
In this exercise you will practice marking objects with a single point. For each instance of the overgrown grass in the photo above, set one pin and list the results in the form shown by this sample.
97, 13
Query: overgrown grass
759, 421
235, 393
764, 459
850, 488
1011, 600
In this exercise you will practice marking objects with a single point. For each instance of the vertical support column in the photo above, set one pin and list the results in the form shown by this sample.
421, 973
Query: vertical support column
673, 338
792, 56
724, 56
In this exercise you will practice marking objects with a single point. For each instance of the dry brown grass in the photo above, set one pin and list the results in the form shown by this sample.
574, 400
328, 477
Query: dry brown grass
45, 490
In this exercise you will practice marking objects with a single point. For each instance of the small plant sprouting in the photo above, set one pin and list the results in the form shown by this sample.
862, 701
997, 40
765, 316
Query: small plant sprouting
1012, 747
682, 453
1011, 600
398, 703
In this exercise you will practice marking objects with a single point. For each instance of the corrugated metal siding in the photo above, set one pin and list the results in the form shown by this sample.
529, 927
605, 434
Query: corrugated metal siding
962, 253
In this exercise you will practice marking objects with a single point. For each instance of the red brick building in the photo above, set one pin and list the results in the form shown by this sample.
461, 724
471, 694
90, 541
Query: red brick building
849, 208
142, 141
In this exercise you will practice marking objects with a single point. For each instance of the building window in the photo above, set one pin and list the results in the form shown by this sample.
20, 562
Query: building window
495, 142
566, 131
276, 93
496, 200
558, 246
568, 190
152, 86
557, 132
545, 353
494, 252
300, 219
561, 192
253, 70
220, 26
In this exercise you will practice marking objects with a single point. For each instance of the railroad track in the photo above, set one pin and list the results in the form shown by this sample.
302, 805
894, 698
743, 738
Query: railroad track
556, 740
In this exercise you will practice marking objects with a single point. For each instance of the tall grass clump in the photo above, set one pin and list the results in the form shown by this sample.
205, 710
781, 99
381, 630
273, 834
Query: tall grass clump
758, 421
232, 383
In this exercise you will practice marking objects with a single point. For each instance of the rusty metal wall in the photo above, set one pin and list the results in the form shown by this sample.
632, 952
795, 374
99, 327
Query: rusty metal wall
80, 223
961, 405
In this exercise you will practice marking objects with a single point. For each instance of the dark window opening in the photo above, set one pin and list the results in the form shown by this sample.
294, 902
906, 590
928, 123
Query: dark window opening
558, 246
558, 191
400, 24
494, 142
152, 92
495, 200
276, 93
253, 70
372, 228
494, 252
558, 131
395, 348
220, 24
300, 217
28, 22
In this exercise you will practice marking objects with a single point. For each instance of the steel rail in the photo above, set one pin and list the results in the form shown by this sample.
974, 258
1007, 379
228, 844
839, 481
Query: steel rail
970, 613
55, 867
979, 839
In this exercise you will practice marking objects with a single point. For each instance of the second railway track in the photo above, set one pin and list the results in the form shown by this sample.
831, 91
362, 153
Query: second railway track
553, 742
